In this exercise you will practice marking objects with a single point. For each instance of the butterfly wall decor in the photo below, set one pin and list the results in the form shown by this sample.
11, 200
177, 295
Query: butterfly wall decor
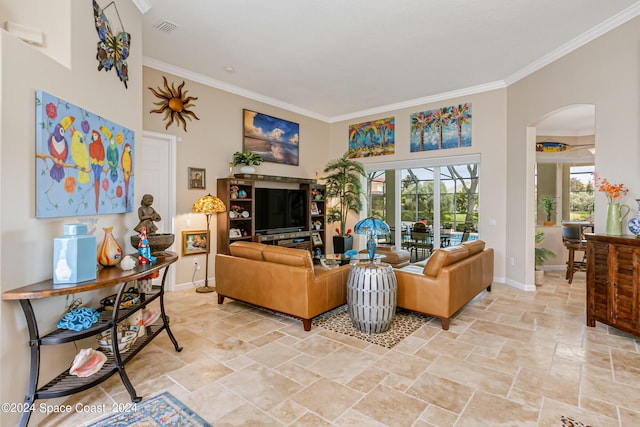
112, 50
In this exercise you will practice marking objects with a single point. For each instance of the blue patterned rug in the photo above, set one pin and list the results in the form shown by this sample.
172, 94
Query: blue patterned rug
162, 410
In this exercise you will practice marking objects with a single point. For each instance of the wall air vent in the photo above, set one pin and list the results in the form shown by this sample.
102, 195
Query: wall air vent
165, 26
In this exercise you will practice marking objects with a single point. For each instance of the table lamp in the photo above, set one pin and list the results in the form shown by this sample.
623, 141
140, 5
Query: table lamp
372, 227
208, 205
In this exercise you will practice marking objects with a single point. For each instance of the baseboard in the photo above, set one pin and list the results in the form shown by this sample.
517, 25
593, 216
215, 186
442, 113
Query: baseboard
554, 267
190, 285
514, 284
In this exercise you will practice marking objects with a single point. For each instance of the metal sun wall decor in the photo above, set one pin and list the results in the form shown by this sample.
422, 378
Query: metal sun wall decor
113, 50
174, 104
374, 138
275, 140
446, 127
84, 163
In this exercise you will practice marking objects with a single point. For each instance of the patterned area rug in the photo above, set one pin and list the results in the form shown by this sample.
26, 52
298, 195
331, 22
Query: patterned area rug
162, 410
404, 324
570, 422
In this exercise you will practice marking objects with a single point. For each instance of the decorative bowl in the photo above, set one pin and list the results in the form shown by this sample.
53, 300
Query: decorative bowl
126, 337
157, 242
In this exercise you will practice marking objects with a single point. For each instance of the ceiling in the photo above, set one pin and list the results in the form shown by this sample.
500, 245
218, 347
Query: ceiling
339, 59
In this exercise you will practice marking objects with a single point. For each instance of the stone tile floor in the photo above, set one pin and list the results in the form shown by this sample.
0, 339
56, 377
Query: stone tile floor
510, 358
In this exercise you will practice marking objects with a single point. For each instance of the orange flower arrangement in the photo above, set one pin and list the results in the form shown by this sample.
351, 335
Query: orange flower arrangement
612, 191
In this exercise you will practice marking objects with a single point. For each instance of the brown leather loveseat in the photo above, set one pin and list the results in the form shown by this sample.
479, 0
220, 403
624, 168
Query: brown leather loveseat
280, 279
452, 277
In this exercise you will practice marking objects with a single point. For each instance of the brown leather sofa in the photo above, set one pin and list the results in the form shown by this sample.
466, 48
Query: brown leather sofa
395, 257
280, 279
452, 277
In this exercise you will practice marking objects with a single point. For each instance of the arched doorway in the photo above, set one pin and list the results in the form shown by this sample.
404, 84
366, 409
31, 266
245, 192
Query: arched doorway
564, 146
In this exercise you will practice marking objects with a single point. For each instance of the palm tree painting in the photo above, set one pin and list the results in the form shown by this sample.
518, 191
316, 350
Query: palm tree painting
374, 138
445, 127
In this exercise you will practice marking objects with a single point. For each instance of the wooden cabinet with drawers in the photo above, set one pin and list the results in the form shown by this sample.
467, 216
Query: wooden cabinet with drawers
613, 282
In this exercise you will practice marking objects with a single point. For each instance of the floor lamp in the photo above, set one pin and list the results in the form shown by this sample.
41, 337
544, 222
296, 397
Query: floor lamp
208, 205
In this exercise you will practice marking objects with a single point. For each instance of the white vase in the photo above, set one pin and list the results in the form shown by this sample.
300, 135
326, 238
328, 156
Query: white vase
247, 169
539, 277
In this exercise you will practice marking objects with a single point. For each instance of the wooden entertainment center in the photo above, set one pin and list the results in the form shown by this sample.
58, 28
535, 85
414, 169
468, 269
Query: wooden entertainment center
238, 223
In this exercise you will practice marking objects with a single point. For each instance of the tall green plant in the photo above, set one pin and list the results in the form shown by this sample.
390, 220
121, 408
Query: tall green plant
548, 204
542, 254
344, 186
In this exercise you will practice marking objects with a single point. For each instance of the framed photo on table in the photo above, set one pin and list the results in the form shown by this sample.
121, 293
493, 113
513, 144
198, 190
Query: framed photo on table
195, 242
314, 209
316, 239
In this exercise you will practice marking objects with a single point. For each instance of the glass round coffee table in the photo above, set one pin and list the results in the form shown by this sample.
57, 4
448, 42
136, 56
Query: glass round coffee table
336, 260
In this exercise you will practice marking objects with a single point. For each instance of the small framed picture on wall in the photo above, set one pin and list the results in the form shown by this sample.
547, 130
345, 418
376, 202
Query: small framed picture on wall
195, 242
196, 178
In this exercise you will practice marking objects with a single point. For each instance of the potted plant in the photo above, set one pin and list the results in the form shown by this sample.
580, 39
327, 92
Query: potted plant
548, 204
248, 159
344, 190
541, 256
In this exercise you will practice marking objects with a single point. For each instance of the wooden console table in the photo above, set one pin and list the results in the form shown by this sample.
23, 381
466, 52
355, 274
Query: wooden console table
66, 384
613, 281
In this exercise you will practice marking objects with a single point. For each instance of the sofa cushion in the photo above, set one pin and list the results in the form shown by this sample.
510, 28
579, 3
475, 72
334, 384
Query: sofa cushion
250, 250
474, 246
287, 256
443, 257
394, 256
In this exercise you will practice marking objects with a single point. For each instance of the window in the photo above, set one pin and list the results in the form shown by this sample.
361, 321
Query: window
581, 197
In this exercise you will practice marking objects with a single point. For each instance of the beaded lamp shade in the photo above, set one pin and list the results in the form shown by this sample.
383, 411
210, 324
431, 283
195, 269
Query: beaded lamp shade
209, 205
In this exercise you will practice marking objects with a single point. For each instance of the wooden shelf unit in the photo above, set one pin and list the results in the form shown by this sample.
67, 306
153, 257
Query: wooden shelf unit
245, 225
613, 282
316, 197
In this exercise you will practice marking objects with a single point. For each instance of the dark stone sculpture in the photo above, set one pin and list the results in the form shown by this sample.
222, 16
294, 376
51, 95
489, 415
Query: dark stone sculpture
158, 242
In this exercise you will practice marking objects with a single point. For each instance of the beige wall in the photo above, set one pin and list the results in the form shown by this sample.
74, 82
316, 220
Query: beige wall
604, 73
210, 143
27, 243
489, 140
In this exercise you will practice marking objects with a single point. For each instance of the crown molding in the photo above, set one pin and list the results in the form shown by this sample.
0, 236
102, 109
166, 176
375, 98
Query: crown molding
421, 101
143, 5
182, 72
597, 31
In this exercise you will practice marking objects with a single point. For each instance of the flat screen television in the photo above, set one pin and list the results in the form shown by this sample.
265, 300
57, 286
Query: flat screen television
279, 210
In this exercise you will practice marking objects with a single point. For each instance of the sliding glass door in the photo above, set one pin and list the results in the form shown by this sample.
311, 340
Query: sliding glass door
443, 196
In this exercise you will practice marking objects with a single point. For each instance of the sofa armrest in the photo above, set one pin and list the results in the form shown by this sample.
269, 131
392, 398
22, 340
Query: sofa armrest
328, 289
331, 272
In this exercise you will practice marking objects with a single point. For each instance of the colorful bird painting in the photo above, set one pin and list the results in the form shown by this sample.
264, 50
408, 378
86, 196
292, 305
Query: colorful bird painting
59, 148
80, 155
75, 175
96, 158
126, 162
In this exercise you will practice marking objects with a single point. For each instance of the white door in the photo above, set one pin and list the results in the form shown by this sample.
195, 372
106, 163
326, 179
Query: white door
156, 175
